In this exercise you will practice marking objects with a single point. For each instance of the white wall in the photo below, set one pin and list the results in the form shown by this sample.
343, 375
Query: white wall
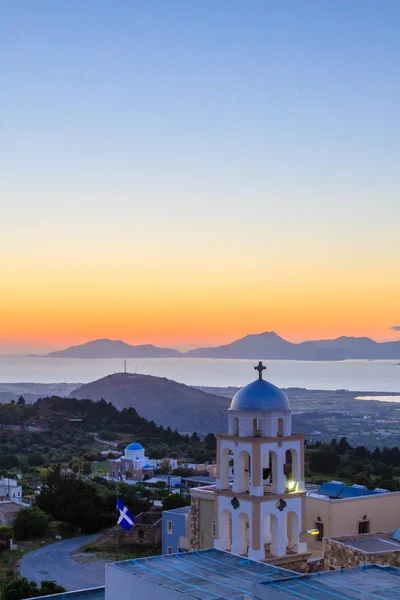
341, 517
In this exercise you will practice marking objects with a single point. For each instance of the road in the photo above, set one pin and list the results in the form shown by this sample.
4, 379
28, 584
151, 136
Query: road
54, 562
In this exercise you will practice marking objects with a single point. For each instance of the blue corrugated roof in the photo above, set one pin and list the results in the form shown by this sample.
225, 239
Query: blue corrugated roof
331, 488
375, 491
206, 574
338, 490
352, 491
359, 583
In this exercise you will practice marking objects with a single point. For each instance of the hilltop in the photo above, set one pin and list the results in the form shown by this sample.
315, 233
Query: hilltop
269, 345
105, 348
158, 399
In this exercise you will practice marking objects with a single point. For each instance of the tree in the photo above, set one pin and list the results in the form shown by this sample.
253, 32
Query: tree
210, 441
165, 467
22, 588
19, 588
21, 401
31, 523
86, 468
35, 459
343, 446
6, 533
194, 438
50, 587
175, 501
183, 472
324, 460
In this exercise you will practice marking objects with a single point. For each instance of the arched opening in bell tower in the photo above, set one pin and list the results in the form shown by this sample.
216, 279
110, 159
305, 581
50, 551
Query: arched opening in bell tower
225, 467
292, 469
225, 531
293, 533
243, 468
257, 427
243, 531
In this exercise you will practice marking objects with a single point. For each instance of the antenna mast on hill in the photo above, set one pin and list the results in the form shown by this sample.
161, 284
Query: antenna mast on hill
125, 367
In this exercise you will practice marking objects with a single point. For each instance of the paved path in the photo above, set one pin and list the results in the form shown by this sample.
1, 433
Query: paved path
55, 562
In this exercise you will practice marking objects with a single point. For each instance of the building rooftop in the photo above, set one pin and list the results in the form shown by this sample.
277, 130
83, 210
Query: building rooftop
205, 575
336, 490
200, 479
97, 593
360, 583
178, 511
370, 542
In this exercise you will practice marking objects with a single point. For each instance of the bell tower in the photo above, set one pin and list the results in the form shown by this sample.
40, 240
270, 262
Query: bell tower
259, 513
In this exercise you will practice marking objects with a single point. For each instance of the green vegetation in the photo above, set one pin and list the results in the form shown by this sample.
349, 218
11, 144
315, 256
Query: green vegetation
21, 588
57, 438
85, 504
175, 501
340, 460
31, 523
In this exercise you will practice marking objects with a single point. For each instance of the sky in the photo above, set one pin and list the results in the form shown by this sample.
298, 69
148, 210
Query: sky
185, 173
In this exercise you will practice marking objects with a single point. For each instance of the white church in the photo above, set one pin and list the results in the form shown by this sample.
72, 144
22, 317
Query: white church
259, 515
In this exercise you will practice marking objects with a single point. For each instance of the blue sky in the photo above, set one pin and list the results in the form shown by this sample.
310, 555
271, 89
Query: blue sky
238, 130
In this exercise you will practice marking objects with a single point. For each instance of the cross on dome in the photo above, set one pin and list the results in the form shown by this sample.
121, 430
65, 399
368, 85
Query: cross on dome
260, 368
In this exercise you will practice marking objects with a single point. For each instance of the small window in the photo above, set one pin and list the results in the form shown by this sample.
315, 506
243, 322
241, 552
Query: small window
169, 526
169, 550
140, 534
213, 530
363, 527
320, 527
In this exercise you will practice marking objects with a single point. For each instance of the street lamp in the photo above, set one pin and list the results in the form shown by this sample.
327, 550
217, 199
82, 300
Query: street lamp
310, 531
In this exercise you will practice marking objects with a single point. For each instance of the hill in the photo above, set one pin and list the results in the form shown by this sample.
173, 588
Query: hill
105, 348
162, 400
269, 345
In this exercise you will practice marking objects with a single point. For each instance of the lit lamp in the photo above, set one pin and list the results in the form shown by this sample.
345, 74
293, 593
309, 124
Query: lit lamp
310, 531
291, 485
302, 546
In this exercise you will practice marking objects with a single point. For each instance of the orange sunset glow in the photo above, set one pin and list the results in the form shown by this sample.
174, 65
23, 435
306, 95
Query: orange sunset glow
187, 189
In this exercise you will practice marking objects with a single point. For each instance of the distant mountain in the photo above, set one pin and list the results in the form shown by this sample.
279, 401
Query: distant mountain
269, 345
164, 401
113, 349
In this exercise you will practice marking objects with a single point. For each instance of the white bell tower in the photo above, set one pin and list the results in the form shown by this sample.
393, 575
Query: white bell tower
259, 514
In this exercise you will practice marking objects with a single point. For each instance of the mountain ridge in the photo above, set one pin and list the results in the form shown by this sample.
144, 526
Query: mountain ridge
266, 345
105, 348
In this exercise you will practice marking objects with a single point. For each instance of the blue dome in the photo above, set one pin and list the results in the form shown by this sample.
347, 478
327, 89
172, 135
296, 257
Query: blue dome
147, 467
260, 396
134, 446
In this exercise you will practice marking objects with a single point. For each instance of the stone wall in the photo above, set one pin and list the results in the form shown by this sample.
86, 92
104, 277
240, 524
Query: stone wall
338, 554
316, 565
146, 533
194, 541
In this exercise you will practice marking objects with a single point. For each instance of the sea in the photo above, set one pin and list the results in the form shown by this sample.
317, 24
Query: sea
353, 375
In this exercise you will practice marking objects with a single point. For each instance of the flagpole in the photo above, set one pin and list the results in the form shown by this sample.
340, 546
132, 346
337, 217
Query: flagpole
117, 520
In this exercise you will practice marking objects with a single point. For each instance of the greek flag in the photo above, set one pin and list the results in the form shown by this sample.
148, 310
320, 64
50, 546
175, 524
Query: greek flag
125, 518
